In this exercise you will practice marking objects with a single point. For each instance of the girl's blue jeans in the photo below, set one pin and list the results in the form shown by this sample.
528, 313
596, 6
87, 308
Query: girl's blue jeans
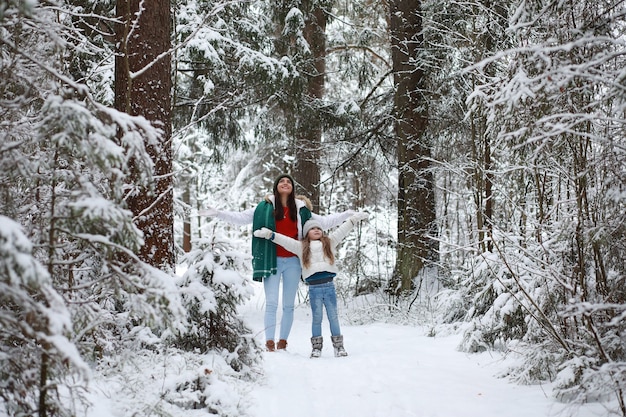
290, 270
324, 296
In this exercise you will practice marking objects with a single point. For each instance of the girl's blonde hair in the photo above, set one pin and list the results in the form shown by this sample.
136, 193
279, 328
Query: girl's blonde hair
306, 250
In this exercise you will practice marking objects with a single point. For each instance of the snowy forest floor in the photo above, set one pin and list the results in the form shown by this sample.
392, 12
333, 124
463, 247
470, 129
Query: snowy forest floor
391, 371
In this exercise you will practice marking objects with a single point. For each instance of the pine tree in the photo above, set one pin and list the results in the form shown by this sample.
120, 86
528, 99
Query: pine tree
64, 166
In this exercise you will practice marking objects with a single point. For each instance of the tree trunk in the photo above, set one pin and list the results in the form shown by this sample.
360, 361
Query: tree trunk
142, 36
416, 208
187, 220
309, 136
43, 386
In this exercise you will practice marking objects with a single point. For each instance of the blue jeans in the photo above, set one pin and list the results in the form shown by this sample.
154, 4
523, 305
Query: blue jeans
320, 296
290, 270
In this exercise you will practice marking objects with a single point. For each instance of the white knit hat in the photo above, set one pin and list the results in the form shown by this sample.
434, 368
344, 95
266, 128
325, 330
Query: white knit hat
310, 224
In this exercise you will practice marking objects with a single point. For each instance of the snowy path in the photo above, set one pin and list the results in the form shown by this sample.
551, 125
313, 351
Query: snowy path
391, 371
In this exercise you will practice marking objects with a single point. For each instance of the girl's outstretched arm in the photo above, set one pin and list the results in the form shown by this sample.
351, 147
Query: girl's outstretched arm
292, 245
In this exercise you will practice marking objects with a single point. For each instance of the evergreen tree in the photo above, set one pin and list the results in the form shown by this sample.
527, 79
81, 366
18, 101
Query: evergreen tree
64, 159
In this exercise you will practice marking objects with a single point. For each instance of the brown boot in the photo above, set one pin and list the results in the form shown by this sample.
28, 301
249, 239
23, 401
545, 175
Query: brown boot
282, 344
269, 345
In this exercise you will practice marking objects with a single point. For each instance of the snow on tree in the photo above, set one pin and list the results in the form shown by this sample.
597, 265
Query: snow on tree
552, 285
37, 355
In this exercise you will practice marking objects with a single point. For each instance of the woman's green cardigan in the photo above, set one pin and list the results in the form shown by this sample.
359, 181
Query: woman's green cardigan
264, 250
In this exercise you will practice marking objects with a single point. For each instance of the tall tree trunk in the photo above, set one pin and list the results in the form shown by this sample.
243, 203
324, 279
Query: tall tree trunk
187, 220
309, 136
43, 386
416, 207
488, 193
490, 45
142, 37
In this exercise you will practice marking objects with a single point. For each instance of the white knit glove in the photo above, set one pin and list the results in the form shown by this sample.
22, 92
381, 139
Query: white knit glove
263, 233
209, 212
357, 217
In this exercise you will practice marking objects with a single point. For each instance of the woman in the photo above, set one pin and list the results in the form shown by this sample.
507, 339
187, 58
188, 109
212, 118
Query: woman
284, 213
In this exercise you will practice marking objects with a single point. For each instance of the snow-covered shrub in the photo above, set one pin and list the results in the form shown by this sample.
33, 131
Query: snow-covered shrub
583, 379
209, 385
170, 382
481, 289
450, 307
212, 290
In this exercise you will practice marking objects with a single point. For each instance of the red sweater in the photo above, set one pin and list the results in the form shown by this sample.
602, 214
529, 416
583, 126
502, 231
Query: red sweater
287, 227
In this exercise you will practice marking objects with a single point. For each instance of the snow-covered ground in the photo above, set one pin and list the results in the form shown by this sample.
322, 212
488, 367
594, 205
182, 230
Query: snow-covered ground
391, 371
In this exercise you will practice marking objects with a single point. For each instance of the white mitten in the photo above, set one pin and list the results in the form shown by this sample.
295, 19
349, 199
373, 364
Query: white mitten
209, 212
357, 217
263, 233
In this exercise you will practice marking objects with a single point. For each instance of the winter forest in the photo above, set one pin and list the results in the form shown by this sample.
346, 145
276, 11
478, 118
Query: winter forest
486, 139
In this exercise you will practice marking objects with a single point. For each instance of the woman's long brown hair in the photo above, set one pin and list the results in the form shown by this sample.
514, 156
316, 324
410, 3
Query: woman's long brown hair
306, 250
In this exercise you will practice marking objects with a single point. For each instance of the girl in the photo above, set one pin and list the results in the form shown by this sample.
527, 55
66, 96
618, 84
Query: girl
317, 257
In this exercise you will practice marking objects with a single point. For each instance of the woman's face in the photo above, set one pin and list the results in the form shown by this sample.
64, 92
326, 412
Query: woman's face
315, 233
284, 186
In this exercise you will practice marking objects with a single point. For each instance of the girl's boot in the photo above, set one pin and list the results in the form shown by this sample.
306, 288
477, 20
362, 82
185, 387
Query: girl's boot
338, 345
317, 343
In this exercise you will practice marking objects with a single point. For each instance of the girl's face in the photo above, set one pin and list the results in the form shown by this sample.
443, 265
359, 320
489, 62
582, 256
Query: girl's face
315, 233
284, 186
